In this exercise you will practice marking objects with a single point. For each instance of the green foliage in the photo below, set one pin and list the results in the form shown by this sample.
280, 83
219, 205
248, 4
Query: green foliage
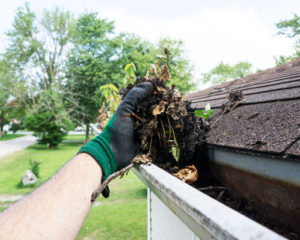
130, 75
112, 98
48, 119
132, 49
37, 46
143, 53
16, 126
206, 113
88, 67
175, 149
35, 167
179, 66
36, 53
4, 94
291, 29
225, 72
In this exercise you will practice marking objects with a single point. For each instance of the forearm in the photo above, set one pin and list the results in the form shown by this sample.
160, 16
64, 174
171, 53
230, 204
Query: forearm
58, 208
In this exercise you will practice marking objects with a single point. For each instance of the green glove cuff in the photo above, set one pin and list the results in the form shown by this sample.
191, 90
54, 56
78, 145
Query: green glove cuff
101, 151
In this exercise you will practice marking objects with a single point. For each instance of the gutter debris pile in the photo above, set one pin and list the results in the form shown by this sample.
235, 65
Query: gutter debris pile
167, 127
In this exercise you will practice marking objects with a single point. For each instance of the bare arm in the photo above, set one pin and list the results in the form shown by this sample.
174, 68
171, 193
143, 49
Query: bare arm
58, 208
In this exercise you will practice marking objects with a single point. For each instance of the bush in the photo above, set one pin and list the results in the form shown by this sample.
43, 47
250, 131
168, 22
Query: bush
16, 126
35, 167
48, 119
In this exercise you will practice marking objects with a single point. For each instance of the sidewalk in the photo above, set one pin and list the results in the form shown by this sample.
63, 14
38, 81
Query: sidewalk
17, 144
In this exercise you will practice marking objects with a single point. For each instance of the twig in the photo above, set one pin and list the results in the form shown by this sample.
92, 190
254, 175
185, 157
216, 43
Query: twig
220, 195
165, 136
158, 135
228, 109
211, 188
149, 152
218, 119
101, 187
170, 127
138, 117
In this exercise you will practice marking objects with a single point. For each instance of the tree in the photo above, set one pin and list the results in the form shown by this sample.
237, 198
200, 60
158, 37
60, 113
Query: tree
36, 52
132, 49
291, 29
88, 67
4, 95
224, 72
48, 119
179, 66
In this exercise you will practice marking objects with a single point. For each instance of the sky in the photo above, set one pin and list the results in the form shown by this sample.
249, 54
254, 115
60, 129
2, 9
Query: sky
213, 31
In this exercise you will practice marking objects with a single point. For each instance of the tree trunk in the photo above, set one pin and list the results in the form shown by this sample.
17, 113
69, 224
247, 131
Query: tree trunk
1, 124
87, 133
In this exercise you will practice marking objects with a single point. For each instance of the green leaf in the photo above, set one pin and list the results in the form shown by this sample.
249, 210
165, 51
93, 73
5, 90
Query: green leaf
175, 150
199, 113
206, 115
210, 112
130, 69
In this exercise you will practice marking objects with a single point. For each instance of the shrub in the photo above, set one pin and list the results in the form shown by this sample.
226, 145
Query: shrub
35, 167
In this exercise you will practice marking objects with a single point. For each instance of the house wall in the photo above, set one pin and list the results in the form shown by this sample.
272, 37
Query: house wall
163, 223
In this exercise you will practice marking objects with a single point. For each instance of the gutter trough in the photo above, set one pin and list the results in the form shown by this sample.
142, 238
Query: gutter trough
204, 216
269, 183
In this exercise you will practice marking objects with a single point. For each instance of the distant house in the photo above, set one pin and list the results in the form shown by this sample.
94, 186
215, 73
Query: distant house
253, 149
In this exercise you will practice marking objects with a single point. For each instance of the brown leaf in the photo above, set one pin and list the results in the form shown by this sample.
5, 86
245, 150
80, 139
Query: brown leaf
165, 73
161, 90
188, 174
149, 131
160, 108
142, 158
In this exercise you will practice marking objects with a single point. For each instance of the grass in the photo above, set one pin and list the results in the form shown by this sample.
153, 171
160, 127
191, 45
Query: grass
13, 167
75, 137
10, 136
122, 216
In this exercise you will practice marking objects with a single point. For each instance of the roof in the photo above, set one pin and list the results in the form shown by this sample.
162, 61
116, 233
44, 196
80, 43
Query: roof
266, 119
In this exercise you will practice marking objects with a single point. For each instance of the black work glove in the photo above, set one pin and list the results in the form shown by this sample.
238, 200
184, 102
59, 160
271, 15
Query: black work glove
116, 146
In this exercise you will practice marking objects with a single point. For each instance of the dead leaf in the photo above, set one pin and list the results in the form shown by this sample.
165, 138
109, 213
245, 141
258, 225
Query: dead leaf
142, 158
148, 130
161, 90
160, 108
165, 73
188, 174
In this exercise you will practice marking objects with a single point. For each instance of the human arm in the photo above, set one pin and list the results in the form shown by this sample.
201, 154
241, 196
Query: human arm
58, 208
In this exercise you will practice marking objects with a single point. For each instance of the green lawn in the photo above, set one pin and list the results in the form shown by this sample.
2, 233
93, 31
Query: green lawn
122, 216
13, 167
75, 137
10, 136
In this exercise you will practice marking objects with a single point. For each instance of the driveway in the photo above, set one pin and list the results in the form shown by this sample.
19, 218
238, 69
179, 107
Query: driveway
17, 144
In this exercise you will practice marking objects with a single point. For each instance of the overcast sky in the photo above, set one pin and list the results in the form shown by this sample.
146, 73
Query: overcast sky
213, 31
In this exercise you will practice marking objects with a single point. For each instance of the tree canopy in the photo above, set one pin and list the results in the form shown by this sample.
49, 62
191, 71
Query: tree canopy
36, 52
225, 72
291, 29
59, 63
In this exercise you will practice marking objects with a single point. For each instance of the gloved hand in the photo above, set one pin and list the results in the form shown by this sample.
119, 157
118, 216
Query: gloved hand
116, 146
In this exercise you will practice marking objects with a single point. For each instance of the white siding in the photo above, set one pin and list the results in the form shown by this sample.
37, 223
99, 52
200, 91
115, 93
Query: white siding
163, 224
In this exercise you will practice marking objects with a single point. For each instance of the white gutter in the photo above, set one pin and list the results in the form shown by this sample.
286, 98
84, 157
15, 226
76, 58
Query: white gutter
204, 216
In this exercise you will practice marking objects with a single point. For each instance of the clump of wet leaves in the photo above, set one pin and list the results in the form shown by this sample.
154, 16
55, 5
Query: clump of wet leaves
166, 125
